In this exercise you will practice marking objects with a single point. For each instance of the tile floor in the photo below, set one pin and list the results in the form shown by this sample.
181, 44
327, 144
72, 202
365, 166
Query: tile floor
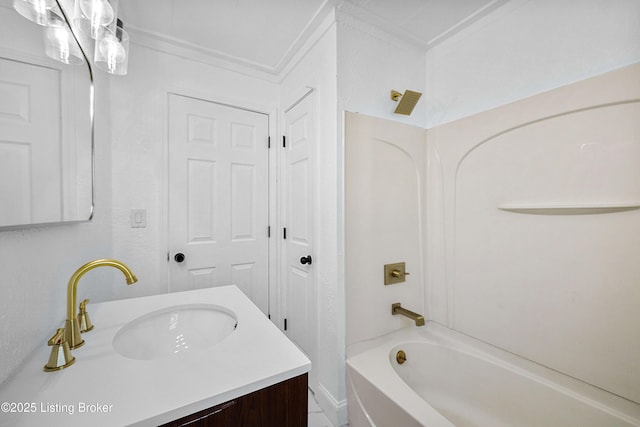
317, 418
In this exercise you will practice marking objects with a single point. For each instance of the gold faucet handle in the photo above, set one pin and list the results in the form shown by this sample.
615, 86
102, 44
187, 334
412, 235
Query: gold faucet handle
60, 356
395, 273
398, 273
57, 338
83, 317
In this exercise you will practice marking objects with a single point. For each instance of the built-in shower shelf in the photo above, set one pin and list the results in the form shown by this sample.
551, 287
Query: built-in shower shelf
568, 209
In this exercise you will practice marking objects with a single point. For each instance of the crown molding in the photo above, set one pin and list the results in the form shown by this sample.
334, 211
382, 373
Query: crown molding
364, 20
466, 22
197, 53
316, 26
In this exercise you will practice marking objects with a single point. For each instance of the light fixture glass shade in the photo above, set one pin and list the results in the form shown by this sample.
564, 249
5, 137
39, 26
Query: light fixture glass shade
42, 12
59, 44
94, 17
111, 53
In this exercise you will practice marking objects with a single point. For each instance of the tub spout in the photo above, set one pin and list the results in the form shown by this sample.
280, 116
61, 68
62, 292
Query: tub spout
396, 308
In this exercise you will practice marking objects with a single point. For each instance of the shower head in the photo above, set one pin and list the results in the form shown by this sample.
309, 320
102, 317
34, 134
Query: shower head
407, 103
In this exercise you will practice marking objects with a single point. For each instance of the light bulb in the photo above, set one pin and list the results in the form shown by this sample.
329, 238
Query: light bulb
99, 13
40, 8
60, 39
61, 46
113, 53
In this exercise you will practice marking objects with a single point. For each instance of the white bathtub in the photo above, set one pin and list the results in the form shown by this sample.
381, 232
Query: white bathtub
452, 380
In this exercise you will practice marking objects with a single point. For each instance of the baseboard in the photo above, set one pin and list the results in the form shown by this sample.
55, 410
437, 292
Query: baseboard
335, 411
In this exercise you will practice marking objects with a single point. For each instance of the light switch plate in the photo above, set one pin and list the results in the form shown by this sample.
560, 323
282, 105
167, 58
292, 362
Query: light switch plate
138, 218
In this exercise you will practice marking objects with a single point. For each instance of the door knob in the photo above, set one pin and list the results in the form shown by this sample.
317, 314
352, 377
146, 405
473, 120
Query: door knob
179, 257
306, 260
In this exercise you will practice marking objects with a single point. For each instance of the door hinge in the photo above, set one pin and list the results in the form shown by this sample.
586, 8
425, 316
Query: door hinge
284, 233
284, 141
285, 324
269, 142
268, 231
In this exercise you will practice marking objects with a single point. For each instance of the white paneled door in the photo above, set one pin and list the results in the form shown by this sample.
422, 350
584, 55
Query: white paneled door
218, 198
299, 259
30, 148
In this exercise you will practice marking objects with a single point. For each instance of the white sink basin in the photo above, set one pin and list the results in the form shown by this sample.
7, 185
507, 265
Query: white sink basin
174, 330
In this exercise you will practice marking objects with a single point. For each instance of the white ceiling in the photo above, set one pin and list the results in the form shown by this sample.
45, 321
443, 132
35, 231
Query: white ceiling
265, 34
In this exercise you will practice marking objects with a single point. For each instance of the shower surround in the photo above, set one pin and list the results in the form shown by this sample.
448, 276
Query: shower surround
532, 216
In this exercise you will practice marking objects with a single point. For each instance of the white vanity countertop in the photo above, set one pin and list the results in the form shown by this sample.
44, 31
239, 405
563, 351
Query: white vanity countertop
124, 392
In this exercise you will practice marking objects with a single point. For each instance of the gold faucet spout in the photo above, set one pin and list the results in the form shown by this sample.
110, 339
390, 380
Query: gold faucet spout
72, 328
396, 308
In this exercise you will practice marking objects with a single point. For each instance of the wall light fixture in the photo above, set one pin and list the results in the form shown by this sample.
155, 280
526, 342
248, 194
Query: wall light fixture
92, 19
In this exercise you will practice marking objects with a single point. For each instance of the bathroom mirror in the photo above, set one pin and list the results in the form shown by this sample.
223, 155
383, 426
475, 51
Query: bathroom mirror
46, 123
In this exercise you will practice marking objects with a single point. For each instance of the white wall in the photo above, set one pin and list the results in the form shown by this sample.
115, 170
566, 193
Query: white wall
527, 47
370, 64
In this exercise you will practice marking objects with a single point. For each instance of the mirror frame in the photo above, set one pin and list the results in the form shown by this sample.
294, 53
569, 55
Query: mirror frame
92, 106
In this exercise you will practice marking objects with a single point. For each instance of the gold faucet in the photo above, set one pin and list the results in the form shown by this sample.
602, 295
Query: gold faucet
72, 326
60, 357
397, 309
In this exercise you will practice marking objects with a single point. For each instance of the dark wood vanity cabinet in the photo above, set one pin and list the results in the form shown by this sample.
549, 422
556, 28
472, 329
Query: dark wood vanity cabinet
280, 405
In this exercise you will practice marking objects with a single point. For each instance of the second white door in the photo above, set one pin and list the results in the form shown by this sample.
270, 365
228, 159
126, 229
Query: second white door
299, 258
